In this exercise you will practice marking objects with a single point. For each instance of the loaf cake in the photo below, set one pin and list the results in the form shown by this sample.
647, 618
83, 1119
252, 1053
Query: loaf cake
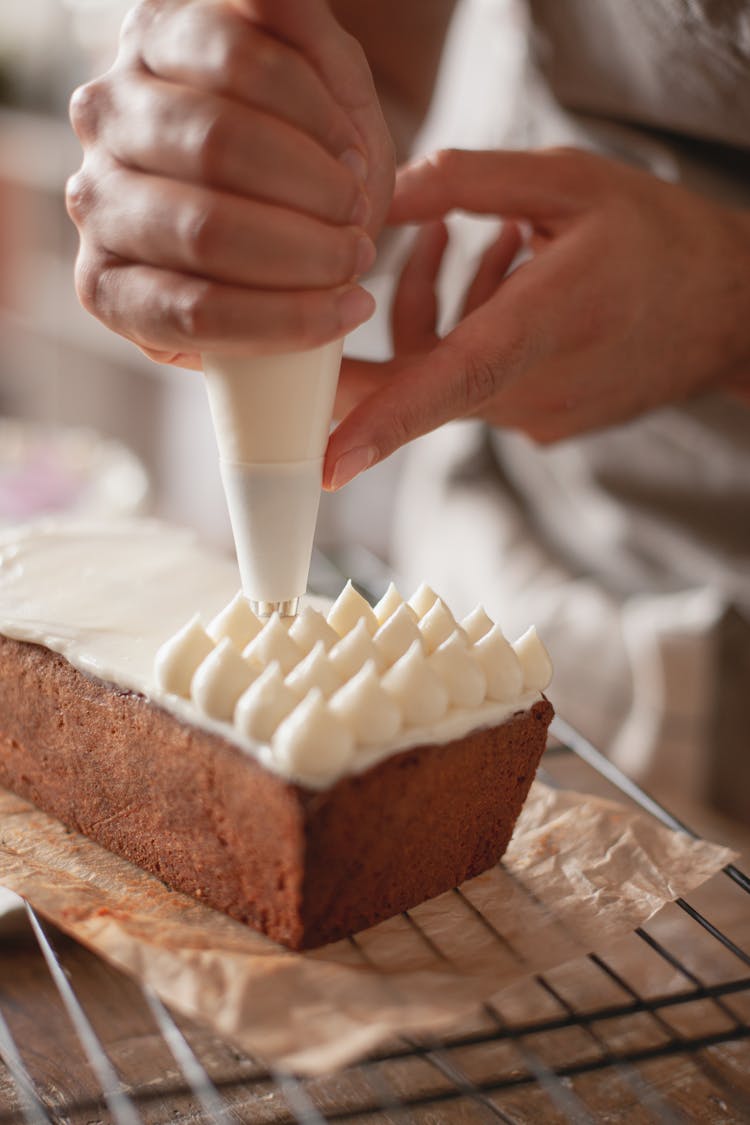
310, 778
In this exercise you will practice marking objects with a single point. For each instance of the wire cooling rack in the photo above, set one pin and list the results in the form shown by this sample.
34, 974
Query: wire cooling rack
655, 1029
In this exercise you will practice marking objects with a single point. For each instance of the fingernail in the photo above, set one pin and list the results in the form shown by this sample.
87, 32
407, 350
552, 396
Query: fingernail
362, 211
355, 162
366, 255
354, 307
352, 463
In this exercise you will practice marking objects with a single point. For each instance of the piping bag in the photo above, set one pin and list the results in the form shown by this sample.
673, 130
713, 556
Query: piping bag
271, 417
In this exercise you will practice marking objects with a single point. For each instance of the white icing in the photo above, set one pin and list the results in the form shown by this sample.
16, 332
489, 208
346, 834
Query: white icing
312, 740
220, 680
178, 658
111, 596
314, 671
349, 608
353, 651
460, 671
388, 604
273, 643
237, 622
416, 688
476, 624
437, 625
366, 709
309, 627
397, 635
500, 665
534, 659
264, 704
422, 600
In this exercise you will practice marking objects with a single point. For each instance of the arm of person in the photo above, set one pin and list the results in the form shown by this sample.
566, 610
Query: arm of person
637, 295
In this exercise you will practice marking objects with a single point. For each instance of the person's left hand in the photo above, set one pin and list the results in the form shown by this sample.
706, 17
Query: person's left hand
638, 294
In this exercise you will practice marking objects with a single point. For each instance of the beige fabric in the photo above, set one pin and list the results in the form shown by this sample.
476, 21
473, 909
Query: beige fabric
630, 549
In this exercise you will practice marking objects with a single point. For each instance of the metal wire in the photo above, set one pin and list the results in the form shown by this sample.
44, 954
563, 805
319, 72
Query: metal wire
554, 1081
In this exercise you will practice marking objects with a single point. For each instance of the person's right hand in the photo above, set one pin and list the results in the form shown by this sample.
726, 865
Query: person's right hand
236, 168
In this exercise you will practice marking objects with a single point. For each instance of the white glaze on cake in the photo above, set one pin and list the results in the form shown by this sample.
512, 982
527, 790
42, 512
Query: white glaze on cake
109, 597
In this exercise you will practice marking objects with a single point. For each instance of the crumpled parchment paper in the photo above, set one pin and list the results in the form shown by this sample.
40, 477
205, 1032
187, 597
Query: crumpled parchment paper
580, 873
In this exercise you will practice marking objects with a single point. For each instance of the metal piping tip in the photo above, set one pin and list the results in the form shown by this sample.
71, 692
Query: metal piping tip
287, 608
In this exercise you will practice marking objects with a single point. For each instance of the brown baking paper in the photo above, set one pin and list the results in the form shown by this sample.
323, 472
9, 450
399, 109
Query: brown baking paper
580, 872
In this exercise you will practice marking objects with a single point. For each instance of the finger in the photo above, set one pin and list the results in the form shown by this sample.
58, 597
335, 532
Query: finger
167, 312
173, 130
455, 380
494, 265
212, 47
358, 379
215, 235
544, 185
414, 315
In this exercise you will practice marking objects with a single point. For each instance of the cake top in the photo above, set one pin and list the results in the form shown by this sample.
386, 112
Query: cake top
336, 689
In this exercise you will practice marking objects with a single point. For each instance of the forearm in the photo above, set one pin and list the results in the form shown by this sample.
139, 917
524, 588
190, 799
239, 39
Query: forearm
403, 41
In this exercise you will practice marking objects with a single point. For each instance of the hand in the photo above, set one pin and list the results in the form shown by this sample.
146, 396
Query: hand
637, 295
236, 167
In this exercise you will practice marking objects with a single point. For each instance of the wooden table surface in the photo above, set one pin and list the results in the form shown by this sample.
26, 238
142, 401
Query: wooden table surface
646, 1032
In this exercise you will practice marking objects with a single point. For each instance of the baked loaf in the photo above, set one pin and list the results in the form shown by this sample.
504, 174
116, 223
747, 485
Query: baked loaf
97, 734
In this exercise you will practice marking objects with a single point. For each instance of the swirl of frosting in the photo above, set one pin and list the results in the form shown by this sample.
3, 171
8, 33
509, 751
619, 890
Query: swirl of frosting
398, 634
501, 666
237, 622
437, 625
220, 680
422, 600
349, 608
353, 651
534, 659
460, 671
309, 627
311, 741
263, 705
315, 671
365, 707
177, 659
476, 624
388, 604
416, 688
273, 643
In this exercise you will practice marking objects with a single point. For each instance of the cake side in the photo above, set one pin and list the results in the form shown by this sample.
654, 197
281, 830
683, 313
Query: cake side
303, 866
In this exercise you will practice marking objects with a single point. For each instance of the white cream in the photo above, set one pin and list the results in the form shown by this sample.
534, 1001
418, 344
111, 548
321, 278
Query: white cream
388, 604
309, 627
460, 671
476, 624
273, 643
416, 688
397, 635
349, 608
113, 599
365, 707
354, 650
264, 704
500, 665
315, 670
178, 658
220, 680
312, 740
237, 622
422, 600
437, 625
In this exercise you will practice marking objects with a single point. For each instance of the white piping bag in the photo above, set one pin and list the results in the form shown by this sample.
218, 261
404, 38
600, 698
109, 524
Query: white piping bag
271, 416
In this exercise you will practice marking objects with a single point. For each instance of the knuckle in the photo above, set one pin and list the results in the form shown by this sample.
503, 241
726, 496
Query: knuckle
137, 20
198, 230
210, 143
446, 162
90, 284
86, 104
191, 312
80, 196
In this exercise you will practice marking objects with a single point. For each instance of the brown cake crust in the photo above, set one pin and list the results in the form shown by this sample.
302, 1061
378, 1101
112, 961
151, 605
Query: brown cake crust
303, 866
